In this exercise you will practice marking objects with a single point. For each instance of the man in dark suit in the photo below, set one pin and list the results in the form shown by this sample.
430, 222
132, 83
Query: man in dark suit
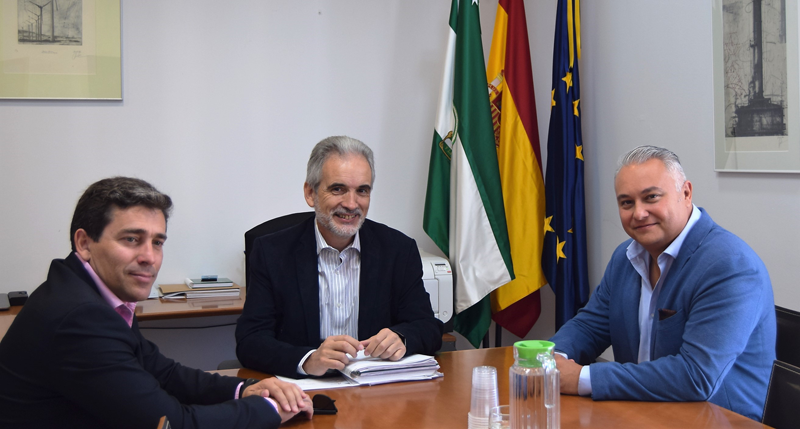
323, 290
74, 356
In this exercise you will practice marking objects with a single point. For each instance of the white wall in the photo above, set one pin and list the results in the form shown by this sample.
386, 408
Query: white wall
647, 76
224, 100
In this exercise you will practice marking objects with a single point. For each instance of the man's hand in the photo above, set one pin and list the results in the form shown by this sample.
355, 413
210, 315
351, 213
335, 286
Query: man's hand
570, 374
385, 345
307, 409
332, 354
289, 396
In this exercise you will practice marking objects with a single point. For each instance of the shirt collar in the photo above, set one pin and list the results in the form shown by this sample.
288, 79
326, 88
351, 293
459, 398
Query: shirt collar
635, 249
109, 296
322, 244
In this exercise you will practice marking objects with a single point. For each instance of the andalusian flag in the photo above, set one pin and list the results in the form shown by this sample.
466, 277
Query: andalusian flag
564, 255
464, 212
516, 306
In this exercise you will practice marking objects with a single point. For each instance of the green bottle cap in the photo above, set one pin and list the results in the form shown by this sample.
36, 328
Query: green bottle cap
526, 352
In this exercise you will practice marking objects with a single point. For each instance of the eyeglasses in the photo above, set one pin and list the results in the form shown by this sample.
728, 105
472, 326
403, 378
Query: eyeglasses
323, 404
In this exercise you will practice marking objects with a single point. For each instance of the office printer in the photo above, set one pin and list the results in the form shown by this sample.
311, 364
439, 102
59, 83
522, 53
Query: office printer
438, 279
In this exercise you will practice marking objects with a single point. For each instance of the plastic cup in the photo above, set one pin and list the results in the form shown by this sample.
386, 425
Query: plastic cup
477, 422
484, 396
499, 417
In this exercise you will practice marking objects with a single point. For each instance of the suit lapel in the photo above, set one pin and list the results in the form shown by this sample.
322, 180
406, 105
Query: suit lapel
690, 245
308, 279
693, 240
76, 266
630, 309
368, 280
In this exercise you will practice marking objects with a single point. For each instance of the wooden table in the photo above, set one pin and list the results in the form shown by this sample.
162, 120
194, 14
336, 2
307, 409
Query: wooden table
6, 317
444, 403
160, 309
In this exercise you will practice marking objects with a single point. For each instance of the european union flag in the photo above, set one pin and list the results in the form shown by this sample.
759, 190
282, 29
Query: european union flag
564, 253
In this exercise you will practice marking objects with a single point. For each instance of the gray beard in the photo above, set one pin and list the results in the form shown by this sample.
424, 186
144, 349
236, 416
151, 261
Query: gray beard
326, 220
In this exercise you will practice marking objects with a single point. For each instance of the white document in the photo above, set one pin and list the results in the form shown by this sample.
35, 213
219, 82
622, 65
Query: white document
320, 383
366, 370
395, 378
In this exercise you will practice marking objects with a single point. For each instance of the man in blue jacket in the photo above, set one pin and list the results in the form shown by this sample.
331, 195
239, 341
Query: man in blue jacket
686, 305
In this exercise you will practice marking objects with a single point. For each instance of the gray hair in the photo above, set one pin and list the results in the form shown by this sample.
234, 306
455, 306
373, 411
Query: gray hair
340, 146
642, 154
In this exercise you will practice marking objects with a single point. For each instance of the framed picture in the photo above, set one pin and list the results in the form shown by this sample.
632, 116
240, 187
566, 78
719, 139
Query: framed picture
60, 49
756, 86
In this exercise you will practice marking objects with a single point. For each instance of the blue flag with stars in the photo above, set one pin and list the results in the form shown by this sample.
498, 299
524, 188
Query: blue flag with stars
564, 254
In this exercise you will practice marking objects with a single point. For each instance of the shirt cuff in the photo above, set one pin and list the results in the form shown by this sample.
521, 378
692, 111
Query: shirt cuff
274, 405
302, 361
270, 400
585, 382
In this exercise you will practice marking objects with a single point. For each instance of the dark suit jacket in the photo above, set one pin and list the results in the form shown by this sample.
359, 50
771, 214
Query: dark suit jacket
70, 361
280, 321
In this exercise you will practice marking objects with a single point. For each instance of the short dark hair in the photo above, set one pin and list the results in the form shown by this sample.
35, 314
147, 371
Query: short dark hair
96, 205
336, 145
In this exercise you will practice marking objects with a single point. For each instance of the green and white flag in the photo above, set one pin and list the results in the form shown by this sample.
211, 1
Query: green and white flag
464, 212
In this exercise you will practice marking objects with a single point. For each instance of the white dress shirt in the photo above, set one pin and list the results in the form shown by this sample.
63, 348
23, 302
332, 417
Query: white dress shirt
339, 276
338, 287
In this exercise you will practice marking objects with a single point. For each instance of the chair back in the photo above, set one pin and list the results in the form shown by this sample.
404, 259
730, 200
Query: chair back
783, 396
268, 227
787, 346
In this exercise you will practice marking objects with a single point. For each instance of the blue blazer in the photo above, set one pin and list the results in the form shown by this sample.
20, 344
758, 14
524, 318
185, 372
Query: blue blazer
280, 321
70, 361
719, 344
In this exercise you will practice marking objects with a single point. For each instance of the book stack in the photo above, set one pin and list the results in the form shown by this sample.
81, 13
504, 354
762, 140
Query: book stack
366, 370
197, 288
208, 282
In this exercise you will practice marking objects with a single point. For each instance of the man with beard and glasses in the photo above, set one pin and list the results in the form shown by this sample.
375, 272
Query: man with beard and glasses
321, 291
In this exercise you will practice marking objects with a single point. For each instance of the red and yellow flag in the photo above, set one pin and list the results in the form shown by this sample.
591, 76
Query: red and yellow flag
516, 306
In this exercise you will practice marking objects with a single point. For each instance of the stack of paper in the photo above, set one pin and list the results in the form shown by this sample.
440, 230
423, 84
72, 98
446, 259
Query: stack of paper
370, 370
183, 291
200, 283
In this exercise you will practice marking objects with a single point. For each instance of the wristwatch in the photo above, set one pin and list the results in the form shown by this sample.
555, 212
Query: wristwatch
247, 383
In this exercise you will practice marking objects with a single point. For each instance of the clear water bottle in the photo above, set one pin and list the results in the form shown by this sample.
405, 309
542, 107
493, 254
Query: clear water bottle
535, 396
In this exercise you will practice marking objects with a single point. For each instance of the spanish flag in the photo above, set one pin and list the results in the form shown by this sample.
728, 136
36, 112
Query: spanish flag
516, 305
